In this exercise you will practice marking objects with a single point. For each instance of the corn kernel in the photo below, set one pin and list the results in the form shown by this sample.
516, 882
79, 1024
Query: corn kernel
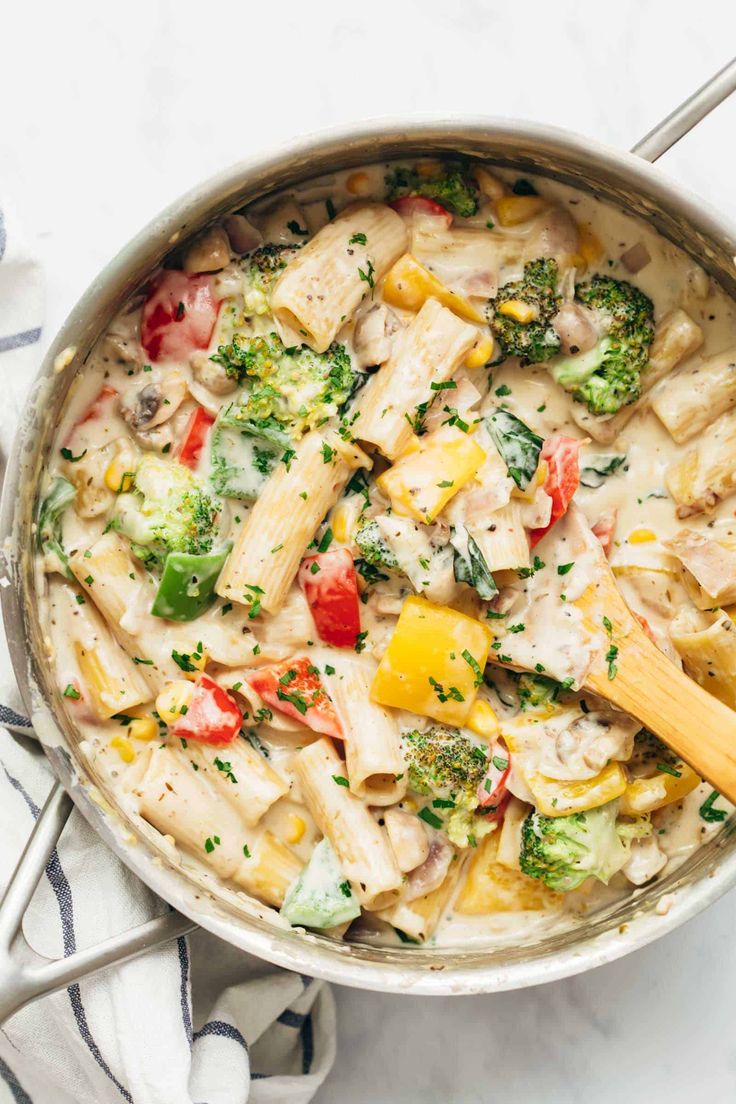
409, 805
481, 353
117, 479
358, 183
297, 828
518, 310
482, 720
641, 536
143, 728
123, 747
199, 662
172, 699
429, 168
513, 209
339, 524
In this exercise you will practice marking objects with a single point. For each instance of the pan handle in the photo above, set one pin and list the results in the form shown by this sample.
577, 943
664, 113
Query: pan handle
682, 120
24, 975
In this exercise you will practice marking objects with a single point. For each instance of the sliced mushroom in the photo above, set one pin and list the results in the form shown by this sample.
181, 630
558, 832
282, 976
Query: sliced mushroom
646, 860
372, 339
555, 235
433, 871
575, 328
156, 439
581, 749
211, 375
242, 234
146, 407
208, 253
121, 350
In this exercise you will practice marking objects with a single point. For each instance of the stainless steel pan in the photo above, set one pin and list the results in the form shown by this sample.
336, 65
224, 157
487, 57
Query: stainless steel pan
625, 179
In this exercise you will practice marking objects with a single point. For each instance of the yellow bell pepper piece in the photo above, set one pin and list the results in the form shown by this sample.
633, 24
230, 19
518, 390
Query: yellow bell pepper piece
423, 480
493, 887
433, 663
558, 798
481, 353
512, 209
483, 721
644, 795
490, 185
409, 285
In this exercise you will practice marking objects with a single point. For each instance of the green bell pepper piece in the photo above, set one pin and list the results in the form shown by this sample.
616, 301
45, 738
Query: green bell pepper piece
187, 586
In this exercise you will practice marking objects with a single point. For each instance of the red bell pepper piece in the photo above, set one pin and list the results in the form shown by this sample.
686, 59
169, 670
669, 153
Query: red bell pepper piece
195, 436
563, 478
294, 688
212, 717
421, 205
331, 588
604, 529
493, 794
179, 315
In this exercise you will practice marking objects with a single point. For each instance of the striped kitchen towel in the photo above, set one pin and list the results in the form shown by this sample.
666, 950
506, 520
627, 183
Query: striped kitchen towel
193, 1022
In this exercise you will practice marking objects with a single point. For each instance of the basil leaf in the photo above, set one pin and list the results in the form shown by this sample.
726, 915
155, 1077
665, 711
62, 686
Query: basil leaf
518, 445
469, 566
600, 468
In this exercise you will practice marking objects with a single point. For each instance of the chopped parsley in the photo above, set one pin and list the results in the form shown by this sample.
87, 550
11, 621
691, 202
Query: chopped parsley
72, 692
708, 813
340, 780
429, 817
68, 455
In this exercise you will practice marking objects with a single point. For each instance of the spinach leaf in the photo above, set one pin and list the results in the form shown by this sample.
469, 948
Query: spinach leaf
518, 445
470, 567
61, 494
599, 469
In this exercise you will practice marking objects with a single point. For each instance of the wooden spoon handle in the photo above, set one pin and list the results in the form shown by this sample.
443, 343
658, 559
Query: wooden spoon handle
698, 727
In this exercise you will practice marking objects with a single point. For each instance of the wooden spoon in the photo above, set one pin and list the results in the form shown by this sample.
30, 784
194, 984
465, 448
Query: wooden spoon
695, 725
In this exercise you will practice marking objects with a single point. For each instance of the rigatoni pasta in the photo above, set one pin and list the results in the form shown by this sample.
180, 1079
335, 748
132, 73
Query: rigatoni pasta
335, 270
314, 529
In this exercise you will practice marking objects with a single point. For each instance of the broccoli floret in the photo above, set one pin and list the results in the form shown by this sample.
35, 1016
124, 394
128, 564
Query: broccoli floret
168, 511
608, 376
535, 340
48, 527
564, 851
536, 690
372, 544
448, 767
288, 389
452, 186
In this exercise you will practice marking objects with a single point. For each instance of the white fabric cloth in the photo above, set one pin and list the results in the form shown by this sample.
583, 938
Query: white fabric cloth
194, 1022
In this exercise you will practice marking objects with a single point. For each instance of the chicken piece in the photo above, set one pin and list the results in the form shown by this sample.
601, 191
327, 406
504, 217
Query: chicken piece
710, 568
372, 339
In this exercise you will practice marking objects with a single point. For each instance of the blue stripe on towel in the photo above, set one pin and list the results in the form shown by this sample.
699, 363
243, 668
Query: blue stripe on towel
20, 1096
186, 1012
10, 719
223, 1030
3, 235
291, 1019
307, 1034
63, 893
18, 340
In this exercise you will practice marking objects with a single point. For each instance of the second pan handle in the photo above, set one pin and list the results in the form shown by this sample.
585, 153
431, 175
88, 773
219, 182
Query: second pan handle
682, 120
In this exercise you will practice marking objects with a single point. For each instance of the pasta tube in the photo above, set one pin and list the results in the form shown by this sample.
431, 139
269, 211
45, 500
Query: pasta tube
324, 284
697, 395
707, 472
115, 583
113, 682
677, 337
241, 775
361, 845
264, 562
706, 644
182, 803
505, 545
709, 568
419, 918
375, 763
430, 350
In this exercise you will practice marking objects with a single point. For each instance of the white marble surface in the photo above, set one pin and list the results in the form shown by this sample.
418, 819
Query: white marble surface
107, 115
